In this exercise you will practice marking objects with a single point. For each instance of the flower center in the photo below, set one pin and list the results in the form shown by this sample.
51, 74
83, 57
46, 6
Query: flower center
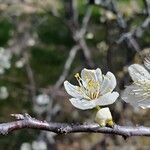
89, 87
145, 88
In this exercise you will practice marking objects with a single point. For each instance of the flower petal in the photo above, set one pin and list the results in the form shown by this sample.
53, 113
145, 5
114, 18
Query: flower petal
133, 95
107, 99
147, 62
88, 75
91, 74
138, 72
144, 103
73, 90
108, 84
82, 103
99, 75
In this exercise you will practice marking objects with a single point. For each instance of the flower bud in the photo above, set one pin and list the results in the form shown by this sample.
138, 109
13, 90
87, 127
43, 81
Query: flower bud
104, 117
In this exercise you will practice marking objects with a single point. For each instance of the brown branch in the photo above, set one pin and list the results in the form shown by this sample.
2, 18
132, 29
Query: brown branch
27, 122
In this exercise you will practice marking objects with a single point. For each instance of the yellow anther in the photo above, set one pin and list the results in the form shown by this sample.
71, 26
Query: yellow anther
91, 83
77, 75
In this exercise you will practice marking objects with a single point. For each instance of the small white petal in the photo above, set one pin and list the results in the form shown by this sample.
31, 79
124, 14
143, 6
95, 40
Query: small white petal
99, 75
82, 103
107, 99
138, 72
147, 62
89, 74
108, 84
144, 103
103, 115
128, 95
73, 90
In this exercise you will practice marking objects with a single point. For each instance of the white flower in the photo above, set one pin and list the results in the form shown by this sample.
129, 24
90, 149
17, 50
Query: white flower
5, 57
138, 94
3, 92
89, 35
94, 89
42, 99
39, 145
20, 63
104, 117
25, 146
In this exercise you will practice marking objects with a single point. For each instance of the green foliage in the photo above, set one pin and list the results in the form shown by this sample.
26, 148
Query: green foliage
54, 31
47, 64
5, 31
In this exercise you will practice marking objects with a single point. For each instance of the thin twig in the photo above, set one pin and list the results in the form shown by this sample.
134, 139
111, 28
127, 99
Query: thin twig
79, 35
67, 65
30, 76
86, 52
147, 5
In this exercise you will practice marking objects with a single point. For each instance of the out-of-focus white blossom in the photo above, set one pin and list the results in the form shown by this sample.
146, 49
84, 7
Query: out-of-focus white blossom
41, 104
109, 15
20, 63
50, 137
104, 117
94, 89
89, 35
102, 46
42, 99
138, 94
5, 57
39, 145
3, 92
25, 146
31, 42
98, 2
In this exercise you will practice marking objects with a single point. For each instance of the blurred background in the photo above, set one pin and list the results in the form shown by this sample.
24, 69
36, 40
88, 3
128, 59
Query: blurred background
43, 43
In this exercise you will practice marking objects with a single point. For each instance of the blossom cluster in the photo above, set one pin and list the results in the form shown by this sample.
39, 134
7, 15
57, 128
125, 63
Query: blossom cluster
96, 90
